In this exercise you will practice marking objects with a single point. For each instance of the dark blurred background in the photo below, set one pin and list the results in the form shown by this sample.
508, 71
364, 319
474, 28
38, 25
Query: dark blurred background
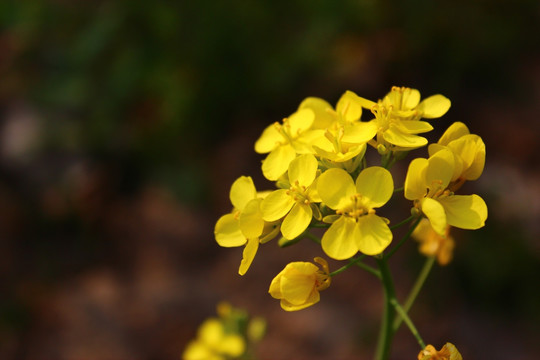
124, 123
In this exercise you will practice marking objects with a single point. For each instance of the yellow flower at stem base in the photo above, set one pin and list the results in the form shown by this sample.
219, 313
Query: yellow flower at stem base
355, 226
433, 244
299, 283
447, 352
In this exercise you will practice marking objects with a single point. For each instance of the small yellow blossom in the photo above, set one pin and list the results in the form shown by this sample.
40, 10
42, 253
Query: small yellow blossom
244, 226
214, 343
469, 153
397, 117
426, 183
345, 137
433, 244
447, 352
284, 141
355, 226
296, 204
299, 283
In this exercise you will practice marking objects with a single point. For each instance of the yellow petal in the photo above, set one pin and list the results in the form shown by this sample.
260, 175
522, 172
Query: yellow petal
465, 211
454, 131
415, 183
472, 151
276, 205
434, 106
299, 282
248, 255
458, 163
227, 232
440, 169
338, 241
269, 139
275, 287
396, 137
335, 187
365, 103
313, 298
242, 191
376, 186
300, 121
250, 221
296, 221
324, 113
360, 132
349, 107
436, 215
277, 162
373, 234
402, 98
303, 169
414, 126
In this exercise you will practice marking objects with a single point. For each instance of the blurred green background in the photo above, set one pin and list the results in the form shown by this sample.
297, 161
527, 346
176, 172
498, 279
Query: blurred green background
124, 123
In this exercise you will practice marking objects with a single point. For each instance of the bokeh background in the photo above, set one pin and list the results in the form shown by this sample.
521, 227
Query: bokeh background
124, 123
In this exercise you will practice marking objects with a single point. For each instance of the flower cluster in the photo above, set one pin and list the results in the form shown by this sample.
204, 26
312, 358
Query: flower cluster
316, 158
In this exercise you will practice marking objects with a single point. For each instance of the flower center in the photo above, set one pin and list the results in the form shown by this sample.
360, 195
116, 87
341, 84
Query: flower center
355, 208
298, 193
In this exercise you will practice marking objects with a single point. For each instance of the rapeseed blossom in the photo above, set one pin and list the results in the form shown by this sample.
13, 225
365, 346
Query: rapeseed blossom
299, 283
355, 227
447, 352
284, 141
297, 203
397, 118
469, 153
427, 183
244, 226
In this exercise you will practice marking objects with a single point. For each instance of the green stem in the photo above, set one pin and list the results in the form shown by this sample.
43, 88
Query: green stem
386, 333
398, 189
357, 262
401, 312
320, 225
402, 222
426, 269
402, 241
312, 237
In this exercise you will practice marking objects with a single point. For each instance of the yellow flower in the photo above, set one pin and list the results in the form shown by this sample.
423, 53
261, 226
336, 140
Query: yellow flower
214, 343
244, 225
295, 204
447, 352
398, 115
344, 141
469, 153
299, 283
426, 184
284, 141
356, 227
433, 244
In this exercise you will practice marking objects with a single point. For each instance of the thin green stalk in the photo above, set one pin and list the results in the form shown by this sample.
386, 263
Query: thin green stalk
402, 222
402, 241
401, 312
426, 269
398, 189
386, 333
312, 237
357, 261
